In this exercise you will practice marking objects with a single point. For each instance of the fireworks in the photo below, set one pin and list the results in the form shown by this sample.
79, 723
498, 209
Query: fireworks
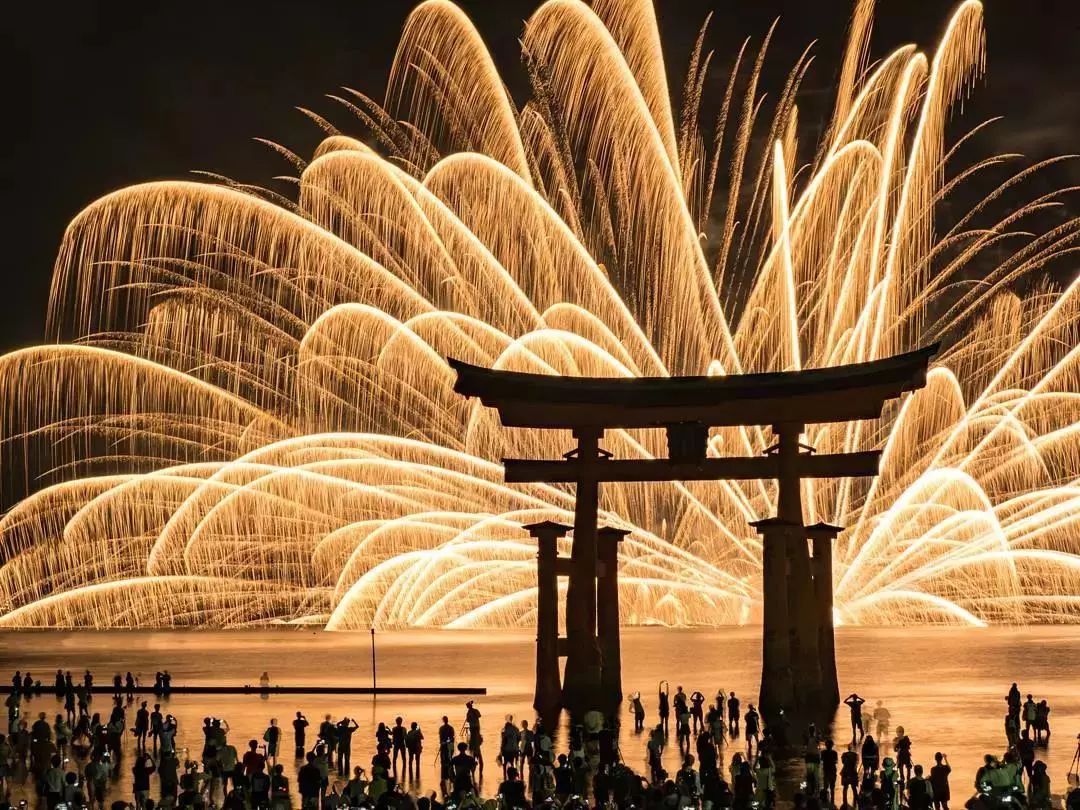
248, 417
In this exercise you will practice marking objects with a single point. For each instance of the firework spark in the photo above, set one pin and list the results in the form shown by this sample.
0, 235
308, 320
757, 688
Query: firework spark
247, 415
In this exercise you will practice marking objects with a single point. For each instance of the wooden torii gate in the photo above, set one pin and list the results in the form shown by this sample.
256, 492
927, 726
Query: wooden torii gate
798, 661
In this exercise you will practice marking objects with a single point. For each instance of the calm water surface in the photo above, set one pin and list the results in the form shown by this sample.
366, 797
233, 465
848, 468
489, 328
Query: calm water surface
945, 686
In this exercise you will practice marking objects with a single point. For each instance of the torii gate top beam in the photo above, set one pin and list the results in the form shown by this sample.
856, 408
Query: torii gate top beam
834, 394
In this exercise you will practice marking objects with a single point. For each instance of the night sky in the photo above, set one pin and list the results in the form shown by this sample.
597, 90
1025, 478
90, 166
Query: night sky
119, 93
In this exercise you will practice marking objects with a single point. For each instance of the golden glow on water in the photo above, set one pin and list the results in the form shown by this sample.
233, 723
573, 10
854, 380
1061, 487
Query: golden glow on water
248, 417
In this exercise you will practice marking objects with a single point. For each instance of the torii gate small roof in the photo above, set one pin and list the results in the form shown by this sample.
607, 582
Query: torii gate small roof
832, 394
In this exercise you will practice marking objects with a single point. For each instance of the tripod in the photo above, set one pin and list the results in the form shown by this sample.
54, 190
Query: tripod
1073, 774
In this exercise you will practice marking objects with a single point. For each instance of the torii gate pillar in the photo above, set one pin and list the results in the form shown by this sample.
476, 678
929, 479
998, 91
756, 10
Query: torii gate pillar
548, 695
821, 537
607, 615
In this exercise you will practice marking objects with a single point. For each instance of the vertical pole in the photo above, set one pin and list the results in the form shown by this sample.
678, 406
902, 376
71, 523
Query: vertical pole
607, 615
777, 689
374, 682
548, 694
803, 619
581, 679
822, 536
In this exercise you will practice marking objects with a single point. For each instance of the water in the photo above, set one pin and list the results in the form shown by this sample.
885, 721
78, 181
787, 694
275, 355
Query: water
946, 686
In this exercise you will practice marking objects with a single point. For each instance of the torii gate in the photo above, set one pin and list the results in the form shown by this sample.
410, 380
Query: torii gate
798, 660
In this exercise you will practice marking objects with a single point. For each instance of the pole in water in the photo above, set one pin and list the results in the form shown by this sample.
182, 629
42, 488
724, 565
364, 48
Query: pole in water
374, 683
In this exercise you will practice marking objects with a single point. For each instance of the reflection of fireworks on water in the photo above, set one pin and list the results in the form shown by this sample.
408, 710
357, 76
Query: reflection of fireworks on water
251, 419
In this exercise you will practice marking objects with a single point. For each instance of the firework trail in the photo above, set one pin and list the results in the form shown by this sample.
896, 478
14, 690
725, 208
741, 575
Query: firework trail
247, 416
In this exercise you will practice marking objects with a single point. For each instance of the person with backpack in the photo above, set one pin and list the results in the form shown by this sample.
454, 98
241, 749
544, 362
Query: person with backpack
272, 738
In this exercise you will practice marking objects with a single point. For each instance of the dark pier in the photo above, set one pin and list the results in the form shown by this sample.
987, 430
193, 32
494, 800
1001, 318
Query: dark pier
47, 689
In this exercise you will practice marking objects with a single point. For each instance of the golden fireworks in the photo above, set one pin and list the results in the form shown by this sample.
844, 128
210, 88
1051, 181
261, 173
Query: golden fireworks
248, 416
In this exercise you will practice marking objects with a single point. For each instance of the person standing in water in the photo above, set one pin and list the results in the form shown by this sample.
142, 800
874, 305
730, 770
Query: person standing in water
272, 738
476, 739
664, 707
414, 744
870, 755
1030, 708
855, 704
830, 758
902, 747
638, 710
697, 711
446, 750
882, 716
939, 779
752, 729
733, 716
299, 725
849, 774
920, 794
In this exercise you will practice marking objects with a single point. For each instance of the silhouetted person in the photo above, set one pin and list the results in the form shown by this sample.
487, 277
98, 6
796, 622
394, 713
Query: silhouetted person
830, 758
300, 725
939, 779
447, 736
397, 743
920, 793
512, 790
253, 760
272, 738
855, 704
344, 731
664, 708
1013, 699
414, 744
1026, 750
309, 783
870, 755
142, 726
638, 710
1029, 709
1042, 722
697, 710
143, 768
1039, 788
902, 746
463, 767
733, 716
753, 728
476, 739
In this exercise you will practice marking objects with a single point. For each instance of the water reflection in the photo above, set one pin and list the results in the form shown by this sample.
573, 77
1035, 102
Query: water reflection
945, 686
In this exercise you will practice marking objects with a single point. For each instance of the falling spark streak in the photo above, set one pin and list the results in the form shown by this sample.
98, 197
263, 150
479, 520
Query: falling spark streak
249, 417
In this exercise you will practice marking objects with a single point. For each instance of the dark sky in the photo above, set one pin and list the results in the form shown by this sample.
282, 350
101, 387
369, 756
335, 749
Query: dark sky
119, 93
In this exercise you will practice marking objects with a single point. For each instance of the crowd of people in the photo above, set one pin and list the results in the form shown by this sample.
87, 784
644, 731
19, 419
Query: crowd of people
77, 759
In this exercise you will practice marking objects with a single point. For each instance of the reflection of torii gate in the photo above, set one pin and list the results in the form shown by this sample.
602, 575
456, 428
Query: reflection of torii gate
798, 662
